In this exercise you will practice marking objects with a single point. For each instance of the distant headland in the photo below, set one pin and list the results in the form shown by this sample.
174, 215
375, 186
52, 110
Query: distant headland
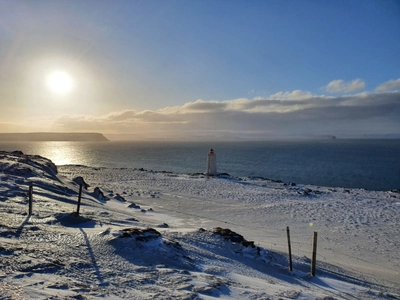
53, 136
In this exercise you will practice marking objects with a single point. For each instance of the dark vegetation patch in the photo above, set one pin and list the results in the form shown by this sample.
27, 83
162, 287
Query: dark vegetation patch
139, 234
232, 236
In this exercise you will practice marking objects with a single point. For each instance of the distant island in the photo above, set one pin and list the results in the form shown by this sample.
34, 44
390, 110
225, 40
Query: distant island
328, 137
53, 136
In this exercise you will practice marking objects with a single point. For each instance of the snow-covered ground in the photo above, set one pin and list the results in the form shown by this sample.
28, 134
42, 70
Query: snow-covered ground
158, 235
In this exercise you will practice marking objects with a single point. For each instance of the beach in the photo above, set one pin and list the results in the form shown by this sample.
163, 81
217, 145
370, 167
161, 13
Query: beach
162, 235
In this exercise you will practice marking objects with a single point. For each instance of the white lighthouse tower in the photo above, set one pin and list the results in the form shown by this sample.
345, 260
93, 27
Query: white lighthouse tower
211, 163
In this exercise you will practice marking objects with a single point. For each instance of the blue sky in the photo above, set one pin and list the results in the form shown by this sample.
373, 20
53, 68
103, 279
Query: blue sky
140, 59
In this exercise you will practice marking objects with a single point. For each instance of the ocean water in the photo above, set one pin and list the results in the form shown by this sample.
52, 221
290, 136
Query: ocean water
368, 164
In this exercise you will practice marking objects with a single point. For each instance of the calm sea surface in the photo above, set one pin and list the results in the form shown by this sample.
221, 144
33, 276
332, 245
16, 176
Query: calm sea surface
369, 164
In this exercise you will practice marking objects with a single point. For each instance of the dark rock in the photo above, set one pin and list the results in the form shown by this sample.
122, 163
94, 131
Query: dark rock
195, 174
119, 198
98, 194
133, 205
224, 174
257, 177
277, 181
163, 225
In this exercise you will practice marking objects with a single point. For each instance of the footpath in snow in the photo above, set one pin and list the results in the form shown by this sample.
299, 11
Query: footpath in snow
157, 235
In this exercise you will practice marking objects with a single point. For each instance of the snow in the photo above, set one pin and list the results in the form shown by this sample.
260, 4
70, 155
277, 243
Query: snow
156, 235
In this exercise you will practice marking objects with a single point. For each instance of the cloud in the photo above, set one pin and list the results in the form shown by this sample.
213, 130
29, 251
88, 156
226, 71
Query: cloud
204, 106
340, 86
388, 85
365, 113
295, 95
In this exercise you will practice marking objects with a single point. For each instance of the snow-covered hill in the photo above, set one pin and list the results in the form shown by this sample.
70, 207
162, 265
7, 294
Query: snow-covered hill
157, 235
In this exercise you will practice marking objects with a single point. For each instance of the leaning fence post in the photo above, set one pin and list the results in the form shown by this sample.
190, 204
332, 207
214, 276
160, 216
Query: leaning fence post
30, 198
314, 254
290, 249
79, 199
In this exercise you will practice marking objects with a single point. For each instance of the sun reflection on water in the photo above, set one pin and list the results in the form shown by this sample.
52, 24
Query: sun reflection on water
61, 153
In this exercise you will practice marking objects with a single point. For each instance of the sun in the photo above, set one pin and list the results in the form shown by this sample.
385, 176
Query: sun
60, 82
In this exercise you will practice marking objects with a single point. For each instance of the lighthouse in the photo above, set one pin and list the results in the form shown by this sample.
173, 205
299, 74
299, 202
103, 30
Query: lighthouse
211, 163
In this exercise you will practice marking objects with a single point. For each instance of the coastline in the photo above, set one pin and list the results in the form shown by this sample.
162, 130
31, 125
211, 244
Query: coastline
367, 164
52, 136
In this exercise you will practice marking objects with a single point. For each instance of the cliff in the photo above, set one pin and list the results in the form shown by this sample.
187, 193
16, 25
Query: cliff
53, 136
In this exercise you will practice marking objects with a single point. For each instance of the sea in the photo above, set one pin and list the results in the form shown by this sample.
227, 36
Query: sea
368, 163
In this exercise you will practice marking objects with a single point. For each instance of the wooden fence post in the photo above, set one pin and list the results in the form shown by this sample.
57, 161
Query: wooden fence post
79, 199
314, 253
290, 249
30, 198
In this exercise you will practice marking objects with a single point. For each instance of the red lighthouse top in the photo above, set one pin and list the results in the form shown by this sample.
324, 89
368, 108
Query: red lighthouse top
211, 151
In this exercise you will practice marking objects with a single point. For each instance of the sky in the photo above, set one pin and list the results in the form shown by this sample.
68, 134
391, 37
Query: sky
221, 69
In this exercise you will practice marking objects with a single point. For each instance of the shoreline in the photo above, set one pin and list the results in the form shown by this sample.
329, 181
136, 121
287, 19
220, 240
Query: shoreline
340, 164
228, 176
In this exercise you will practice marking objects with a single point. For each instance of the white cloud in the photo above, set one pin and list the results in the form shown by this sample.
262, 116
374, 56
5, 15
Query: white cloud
372, 113
340, 86
282, 114
294, 95
388, 85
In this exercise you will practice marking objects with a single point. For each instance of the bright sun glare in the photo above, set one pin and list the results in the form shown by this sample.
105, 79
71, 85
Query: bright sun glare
60, 82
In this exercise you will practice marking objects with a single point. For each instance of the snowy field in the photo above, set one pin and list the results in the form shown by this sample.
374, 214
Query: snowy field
158, 235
